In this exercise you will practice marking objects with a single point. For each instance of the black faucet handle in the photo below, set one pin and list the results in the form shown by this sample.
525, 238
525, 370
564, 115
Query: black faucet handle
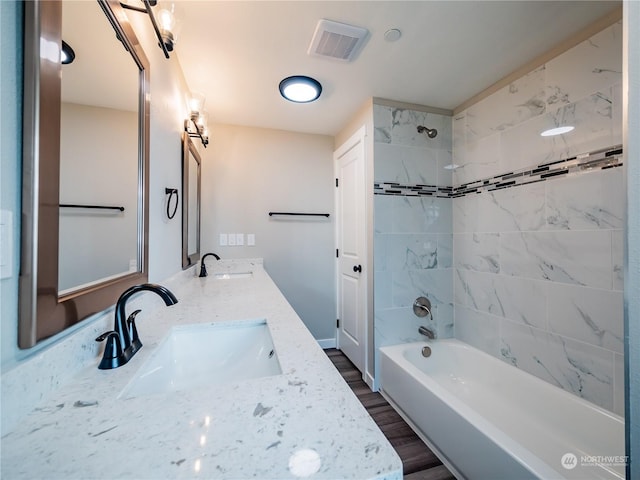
113, 356
133, 331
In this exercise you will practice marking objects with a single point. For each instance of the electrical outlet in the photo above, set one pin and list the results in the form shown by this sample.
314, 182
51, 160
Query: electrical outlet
251, 239
232, 239
223, 240
240, 239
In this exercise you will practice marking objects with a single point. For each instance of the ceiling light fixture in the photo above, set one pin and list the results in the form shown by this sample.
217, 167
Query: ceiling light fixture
67, 54
300, 89
165, 29
557, 131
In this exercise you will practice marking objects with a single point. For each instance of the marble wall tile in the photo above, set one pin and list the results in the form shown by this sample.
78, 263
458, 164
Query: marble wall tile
405, 165
380, 241
542, 263
464, 212
460, 287
436, 285
522, 146
382, 120
586, 201
477, 251
445, 175
521, 300
397, 325
382, 290
587, 314
510, 209
445, 250
412, 251
459, 140
617, 260
478, 329
589, 66
517, 102
579, 368
422, 215
575, 257
383, 208
482, 159
404, 129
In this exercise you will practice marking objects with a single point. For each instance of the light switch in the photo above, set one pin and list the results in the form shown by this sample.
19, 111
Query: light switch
251, 239
223, 240
239, 238
232, 239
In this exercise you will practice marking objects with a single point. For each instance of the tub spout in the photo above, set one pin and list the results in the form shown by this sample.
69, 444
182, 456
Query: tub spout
427, 332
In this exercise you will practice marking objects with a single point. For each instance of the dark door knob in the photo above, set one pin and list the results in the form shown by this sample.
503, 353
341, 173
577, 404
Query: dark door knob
357, 268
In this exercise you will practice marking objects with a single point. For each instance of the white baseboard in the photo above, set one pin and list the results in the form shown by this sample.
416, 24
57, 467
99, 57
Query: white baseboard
369, 380
327, 343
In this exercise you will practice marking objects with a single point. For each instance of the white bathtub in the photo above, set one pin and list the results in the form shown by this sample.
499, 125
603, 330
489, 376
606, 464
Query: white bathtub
488, 420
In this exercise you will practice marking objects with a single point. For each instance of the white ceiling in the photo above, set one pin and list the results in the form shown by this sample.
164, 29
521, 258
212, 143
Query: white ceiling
236, 53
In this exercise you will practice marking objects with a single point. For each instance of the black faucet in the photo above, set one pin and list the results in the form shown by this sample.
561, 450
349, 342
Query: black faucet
203, 268
123, 341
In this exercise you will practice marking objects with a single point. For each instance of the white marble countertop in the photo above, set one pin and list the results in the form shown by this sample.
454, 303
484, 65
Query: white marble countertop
248, 429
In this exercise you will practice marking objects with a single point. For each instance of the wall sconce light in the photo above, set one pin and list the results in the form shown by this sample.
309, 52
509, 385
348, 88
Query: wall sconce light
196, 105
196, 124
165, 29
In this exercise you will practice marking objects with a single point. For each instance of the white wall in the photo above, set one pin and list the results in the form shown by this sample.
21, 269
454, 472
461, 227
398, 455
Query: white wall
249, 172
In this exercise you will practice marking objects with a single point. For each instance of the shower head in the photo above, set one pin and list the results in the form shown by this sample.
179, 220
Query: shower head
431, 132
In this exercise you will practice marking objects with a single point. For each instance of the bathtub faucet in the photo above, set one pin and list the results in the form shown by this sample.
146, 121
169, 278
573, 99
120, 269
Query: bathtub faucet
427, 332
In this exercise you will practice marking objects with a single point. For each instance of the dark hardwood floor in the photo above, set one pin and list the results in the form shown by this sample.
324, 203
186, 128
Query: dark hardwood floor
418, 462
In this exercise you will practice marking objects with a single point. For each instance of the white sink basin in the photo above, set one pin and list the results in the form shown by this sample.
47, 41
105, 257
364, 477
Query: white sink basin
206, 354
229, 275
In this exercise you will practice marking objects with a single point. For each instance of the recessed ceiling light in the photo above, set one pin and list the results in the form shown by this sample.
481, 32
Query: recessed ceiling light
392, 35
67, 55
300, 89
557, 131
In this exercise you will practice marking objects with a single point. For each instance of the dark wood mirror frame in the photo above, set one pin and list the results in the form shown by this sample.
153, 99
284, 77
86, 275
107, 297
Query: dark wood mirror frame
43, 312
188, 150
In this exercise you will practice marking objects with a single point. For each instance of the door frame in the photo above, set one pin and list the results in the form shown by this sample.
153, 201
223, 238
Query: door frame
366, 275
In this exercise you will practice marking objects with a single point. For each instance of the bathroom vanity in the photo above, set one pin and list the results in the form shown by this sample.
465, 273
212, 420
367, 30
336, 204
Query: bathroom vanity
302, 422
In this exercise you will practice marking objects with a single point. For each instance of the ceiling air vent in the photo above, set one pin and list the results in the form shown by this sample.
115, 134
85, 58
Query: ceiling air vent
337, 40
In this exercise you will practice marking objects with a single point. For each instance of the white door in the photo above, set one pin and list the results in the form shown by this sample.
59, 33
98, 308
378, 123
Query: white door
351, 249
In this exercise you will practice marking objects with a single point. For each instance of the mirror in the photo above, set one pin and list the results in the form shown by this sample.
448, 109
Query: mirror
85, 184
190, 202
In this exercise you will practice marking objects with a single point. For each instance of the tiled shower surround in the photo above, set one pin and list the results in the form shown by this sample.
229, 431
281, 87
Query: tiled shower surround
537, 268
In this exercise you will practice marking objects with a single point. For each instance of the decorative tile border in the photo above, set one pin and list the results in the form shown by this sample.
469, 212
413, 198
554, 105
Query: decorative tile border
593, 161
